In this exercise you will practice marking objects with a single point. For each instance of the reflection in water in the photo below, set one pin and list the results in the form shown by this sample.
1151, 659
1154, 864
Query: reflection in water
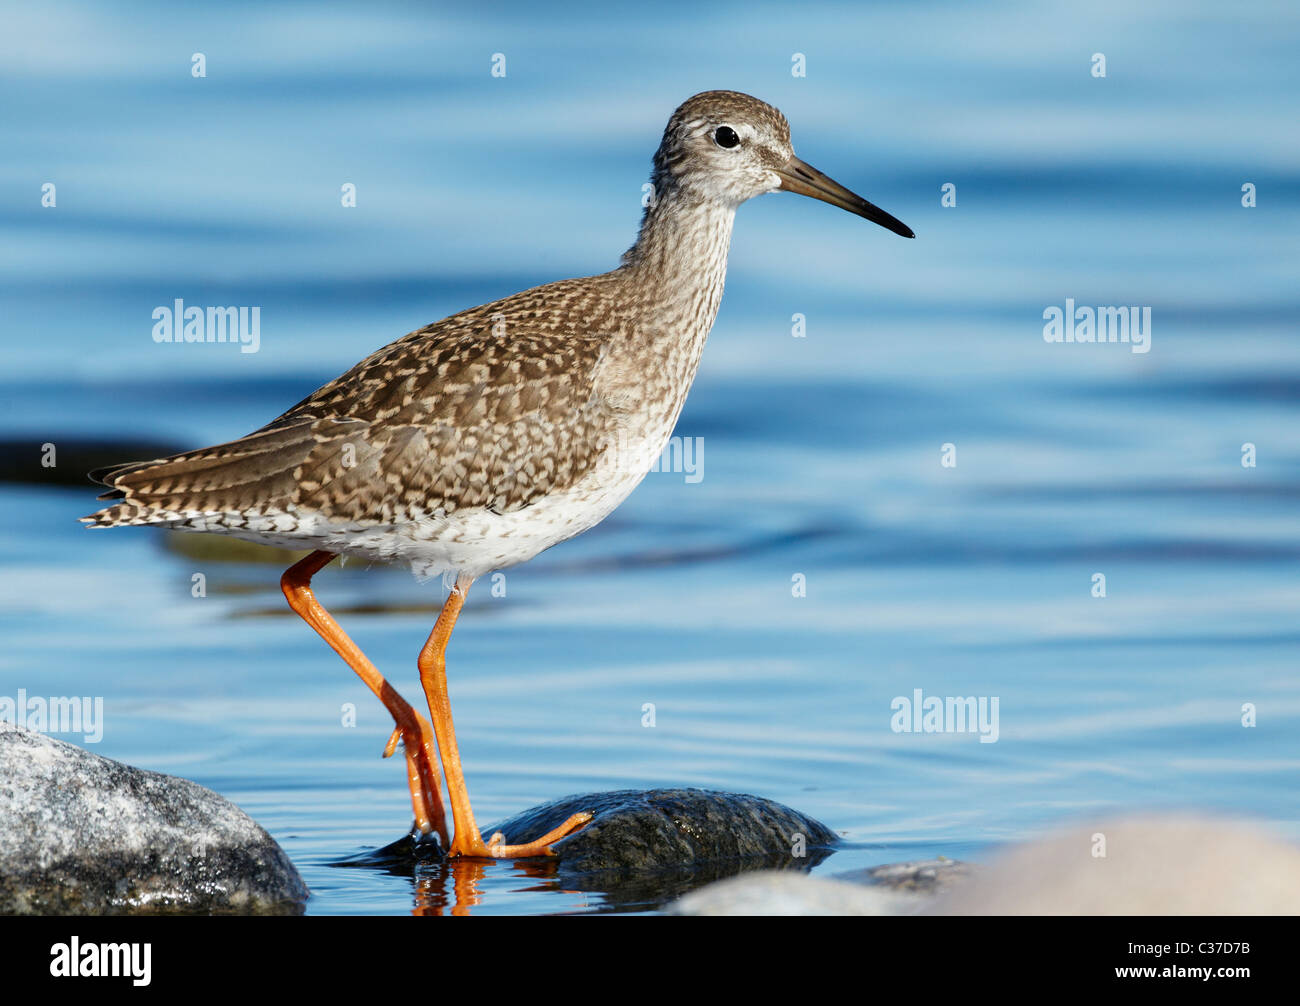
455, 887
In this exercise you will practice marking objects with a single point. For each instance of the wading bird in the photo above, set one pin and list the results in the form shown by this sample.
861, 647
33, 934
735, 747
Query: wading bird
476, 442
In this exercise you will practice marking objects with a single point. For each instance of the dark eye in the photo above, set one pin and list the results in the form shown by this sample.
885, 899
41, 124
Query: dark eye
725, 136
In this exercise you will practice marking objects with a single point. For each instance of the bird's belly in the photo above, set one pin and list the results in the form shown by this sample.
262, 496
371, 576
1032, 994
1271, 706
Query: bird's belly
475, 541
469, 540
479, 541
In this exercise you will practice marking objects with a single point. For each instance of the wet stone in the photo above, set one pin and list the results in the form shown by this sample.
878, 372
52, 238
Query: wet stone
82, 834
650, 829
647, 846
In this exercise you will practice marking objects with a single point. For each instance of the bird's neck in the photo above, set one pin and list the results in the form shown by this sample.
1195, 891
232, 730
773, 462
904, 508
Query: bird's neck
679, 261
672, 280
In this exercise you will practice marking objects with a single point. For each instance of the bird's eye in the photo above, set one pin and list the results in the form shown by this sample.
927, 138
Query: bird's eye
725, 136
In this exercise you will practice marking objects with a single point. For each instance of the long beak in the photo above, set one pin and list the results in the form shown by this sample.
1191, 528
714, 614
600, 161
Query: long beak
806, 180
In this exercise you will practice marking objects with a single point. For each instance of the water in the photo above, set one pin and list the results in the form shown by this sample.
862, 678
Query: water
821, 454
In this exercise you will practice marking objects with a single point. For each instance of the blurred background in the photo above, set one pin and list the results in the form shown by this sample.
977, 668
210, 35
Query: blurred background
821, 455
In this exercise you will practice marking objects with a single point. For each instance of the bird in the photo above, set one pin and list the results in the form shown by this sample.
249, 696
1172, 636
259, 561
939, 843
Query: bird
474, 443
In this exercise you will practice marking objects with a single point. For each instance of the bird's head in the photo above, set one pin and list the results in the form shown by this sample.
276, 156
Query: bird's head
726, 147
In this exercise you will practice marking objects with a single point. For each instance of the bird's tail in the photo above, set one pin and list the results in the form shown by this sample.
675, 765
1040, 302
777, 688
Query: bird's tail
231, 478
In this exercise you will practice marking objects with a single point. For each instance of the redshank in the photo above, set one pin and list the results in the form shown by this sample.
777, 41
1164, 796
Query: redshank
474, 443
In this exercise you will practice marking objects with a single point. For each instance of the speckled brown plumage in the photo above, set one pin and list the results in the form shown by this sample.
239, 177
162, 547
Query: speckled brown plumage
554, 401
448, 417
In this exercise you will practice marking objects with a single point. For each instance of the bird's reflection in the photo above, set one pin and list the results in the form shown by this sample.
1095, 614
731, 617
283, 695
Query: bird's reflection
458, 887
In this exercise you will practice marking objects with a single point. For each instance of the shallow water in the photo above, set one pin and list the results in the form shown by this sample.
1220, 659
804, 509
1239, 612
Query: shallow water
821, 455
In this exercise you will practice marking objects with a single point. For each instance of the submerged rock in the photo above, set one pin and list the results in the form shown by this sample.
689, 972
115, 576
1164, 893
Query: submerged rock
645, 847
81, 834
657, 828
64, 460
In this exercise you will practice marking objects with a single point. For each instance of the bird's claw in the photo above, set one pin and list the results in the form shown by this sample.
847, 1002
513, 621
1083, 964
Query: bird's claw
496, 847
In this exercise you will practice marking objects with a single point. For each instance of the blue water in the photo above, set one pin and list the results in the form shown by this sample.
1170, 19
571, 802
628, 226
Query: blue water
821, 454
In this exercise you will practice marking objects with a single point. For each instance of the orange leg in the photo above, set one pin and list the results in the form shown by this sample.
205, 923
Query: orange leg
433, 675
421, 755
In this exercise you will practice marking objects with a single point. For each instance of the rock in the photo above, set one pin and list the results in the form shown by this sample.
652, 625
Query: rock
646, 847
1153, 865
657, 828
926, 876
28, 460
81, 834
769, 892
893, 889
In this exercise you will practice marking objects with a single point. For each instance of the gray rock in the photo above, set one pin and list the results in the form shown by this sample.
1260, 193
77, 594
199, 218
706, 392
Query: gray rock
1153, 864
893, 889
926, 876
1167, 864
81, 834
782, 893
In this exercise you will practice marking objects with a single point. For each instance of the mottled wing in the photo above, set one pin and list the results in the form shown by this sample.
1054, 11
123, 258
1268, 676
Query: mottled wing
477, 421
449, 417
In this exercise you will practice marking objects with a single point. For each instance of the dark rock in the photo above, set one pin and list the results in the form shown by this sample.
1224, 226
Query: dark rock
23, 460
81, 834
644, 847
658, 828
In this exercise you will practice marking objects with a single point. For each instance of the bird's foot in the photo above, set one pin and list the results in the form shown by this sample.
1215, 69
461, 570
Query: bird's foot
496, 847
